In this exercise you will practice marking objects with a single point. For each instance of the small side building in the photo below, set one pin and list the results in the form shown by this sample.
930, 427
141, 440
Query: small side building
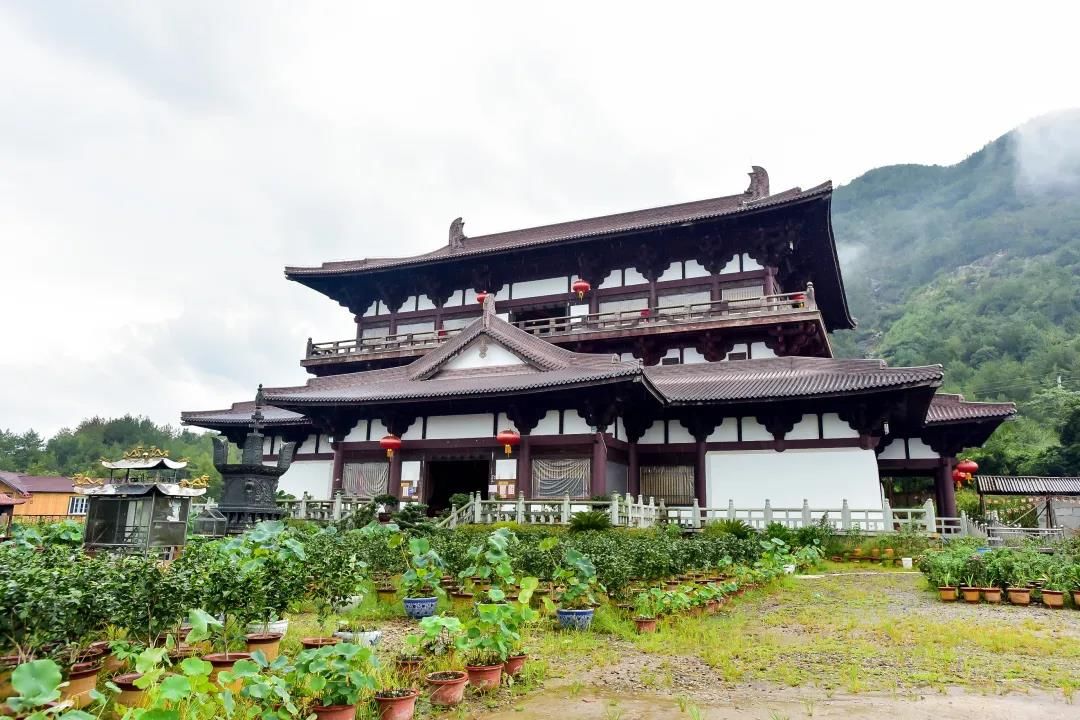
45, 497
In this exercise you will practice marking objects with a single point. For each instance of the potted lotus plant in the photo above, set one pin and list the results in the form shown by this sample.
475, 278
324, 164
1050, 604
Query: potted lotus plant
520, 615
389, 505
395, 698
646, 608
1058, 582
577, 583
488, 640
440, 638
329, 681
420, 583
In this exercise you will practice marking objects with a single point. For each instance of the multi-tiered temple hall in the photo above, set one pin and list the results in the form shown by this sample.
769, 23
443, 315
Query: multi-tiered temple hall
678, 352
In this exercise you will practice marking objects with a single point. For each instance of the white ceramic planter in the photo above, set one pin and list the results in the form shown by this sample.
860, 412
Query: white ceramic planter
370, 638
351, 604
906, 562
281, 627
789, 569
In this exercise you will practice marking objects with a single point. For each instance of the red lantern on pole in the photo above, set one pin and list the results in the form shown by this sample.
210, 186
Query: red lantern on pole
481, 296
581, 287
508, 438
968, 466
390, 443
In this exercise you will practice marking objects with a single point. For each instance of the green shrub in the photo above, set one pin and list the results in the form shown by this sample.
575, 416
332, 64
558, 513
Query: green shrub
591, 520
780, 532
739, 528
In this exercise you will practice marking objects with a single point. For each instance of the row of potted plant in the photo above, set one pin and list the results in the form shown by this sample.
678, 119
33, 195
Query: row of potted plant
963, 570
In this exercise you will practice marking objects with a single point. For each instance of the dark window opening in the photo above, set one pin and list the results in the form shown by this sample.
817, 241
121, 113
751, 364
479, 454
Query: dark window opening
448, 477
542, 320
736, 356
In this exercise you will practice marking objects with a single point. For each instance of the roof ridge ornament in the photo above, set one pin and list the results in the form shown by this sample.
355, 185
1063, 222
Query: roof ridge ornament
759, 183
457, 234
488, 309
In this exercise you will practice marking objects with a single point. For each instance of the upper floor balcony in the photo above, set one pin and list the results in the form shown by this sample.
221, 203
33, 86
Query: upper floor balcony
789, 323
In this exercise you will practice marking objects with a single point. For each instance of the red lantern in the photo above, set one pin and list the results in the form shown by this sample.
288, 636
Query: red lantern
968, 466
959, 476
581, 287
481, 296
390, 443
508, 438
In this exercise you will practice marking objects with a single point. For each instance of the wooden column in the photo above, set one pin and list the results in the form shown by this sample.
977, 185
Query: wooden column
700, 468
633, 471
395, 476
946, 491
393, 323
598, 466
337, 474
652, 294
524, 468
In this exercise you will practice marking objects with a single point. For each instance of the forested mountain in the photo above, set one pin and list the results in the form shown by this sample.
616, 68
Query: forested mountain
977, 266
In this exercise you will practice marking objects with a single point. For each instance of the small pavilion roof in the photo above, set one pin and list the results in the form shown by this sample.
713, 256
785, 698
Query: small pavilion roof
948, 408
1026, 485
239, 413
7, 501
574, 230
783, 378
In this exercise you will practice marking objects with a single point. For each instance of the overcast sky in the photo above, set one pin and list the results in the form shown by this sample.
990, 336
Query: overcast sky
161, 162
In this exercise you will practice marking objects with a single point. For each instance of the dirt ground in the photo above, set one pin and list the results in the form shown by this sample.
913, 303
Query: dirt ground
904, 656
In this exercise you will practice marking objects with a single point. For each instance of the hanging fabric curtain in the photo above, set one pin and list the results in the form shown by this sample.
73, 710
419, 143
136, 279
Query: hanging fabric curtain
673, 483
366, 479
558, 477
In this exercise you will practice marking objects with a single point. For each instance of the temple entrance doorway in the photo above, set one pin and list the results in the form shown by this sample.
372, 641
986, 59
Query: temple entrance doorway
448, 477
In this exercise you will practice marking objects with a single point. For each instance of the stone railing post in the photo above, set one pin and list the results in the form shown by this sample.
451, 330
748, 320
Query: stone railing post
730, 509
521, 508
811, 301
807, 519
886, 515
930, 517
629, 510
964, 532
453, 516
768, 511
336, 514
303, 507
695, 519
566, 509
662, 511
845, 515
476, 509
613, 509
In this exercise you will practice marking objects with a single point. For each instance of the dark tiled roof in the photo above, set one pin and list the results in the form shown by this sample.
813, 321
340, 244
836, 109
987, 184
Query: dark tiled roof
947, 408
29, 484
543, 366
780, 378
577, 229
240, 414
1027, 485
7, 501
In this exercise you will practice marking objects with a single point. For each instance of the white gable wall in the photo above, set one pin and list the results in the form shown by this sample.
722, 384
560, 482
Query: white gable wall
470, 357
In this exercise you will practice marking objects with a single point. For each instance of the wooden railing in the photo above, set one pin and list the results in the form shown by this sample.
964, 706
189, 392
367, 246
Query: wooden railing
780, 304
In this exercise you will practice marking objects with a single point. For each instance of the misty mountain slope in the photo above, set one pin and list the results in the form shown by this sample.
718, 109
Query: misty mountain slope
975, 266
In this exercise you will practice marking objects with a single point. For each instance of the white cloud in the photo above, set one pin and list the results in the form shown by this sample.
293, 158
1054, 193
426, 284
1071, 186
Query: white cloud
162, 163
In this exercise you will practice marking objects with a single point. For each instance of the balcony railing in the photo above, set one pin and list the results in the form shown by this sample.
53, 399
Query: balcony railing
662, 316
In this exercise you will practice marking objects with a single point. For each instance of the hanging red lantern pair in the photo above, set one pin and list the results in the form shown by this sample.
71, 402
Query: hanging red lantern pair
508, 438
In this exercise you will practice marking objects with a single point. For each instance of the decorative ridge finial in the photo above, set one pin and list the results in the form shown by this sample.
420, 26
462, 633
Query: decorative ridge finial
488, 308
257, 416
457, 234
759, 183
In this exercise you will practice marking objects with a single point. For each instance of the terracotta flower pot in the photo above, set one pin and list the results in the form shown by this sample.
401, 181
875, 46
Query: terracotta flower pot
334, 712
485, 677
1020, 596
447, 688
971, 594
1053, 599
394, 706
386, 593
225, 661
514, 664
318, 642
1076, 599
268, 643
81, 678
130, 696
712, 607
947, 593
645, 625
992, 595
409, 666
